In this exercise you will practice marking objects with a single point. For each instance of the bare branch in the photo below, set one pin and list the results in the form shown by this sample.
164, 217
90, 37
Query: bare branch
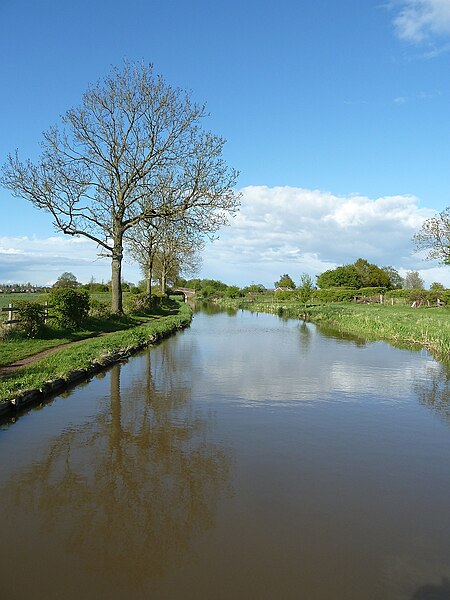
435, 237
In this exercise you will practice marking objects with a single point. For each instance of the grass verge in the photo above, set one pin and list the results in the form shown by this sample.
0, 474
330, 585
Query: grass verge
18, 346
88, 352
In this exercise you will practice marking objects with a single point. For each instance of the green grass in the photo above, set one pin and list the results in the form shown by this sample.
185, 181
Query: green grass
83, 354
426, 327
6, 299
18, 346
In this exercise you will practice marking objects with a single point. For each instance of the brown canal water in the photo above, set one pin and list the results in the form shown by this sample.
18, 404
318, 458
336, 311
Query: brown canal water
247, 457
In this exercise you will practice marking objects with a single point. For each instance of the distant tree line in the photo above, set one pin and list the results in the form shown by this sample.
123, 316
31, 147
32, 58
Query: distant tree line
14, 288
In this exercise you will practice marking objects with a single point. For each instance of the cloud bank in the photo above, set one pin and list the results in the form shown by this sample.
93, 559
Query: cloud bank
278, 230
295, 230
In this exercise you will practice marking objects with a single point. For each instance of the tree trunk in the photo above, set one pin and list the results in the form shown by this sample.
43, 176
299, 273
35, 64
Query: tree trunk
149, 277
116, 278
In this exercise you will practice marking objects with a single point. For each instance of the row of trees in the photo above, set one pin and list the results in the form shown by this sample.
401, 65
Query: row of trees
360, 274
132, 165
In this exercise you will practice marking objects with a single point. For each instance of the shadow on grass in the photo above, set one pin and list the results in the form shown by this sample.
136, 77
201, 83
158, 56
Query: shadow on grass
17, 345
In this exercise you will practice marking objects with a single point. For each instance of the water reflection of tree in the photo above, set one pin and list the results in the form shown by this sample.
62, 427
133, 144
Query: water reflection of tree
433, 389
210, 309
335, 334
131, 487
305, 336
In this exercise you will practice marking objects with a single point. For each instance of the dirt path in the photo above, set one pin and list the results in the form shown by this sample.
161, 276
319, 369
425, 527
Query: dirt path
6, 370
24, 362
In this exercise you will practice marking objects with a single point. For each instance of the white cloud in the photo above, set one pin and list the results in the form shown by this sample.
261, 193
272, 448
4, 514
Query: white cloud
42, 260
294, 230
421, 20
277, 230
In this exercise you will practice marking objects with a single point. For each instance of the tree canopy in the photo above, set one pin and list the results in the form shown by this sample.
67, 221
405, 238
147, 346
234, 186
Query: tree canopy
66, 280
305, 288
371, 275
413, 281
359, 274
394, 277
344, 276
285, 281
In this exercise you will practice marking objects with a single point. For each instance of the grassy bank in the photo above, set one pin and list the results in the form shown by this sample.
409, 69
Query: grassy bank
95, 351
19, 346
427, 327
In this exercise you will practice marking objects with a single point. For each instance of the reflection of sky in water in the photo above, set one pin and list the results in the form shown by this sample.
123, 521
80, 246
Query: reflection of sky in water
267, 364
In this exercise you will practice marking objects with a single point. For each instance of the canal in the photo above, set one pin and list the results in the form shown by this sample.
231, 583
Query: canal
247, 457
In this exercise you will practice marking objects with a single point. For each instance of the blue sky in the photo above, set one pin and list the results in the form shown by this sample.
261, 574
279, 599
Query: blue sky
336, 114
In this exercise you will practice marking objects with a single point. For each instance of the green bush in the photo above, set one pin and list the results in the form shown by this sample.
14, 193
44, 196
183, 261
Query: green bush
409, 296
336, 294
143, 302
98, 308
443, 295
7, 332
285, 296
417, 295
69, 307
232, 291
30, 316
371, 291
399, 294
138, 303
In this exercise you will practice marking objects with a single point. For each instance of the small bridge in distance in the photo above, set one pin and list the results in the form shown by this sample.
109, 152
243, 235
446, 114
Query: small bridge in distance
187, 292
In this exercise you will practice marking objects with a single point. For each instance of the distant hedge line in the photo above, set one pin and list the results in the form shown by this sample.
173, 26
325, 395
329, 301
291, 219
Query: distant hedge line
340, 294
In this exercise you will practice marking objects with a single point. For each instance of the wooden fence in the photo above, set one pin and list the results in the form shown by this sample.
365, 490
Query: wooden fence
380, 299
10, 309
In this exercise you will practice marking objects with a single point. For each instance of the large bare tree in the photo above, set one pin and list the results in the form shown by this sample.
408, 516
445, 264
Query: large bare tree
132, 138
434, 237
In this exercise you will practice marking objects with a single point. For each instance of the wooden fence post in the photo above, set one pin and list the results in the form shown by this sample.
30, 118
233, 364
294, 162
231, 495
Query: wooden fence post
10, 312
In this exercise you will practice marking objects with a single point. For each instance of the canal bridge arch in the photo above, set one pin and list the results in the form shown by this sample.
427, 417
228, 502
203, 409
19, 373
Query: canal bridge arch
187, 292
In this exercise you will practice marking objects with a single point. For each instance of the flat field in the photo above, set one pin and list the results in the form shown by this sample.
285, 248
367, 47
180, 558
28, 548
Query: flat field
6, 299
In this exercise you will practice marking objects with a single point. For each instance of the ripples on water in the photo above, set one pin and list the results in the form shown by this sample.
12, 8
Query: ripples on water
247, 457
